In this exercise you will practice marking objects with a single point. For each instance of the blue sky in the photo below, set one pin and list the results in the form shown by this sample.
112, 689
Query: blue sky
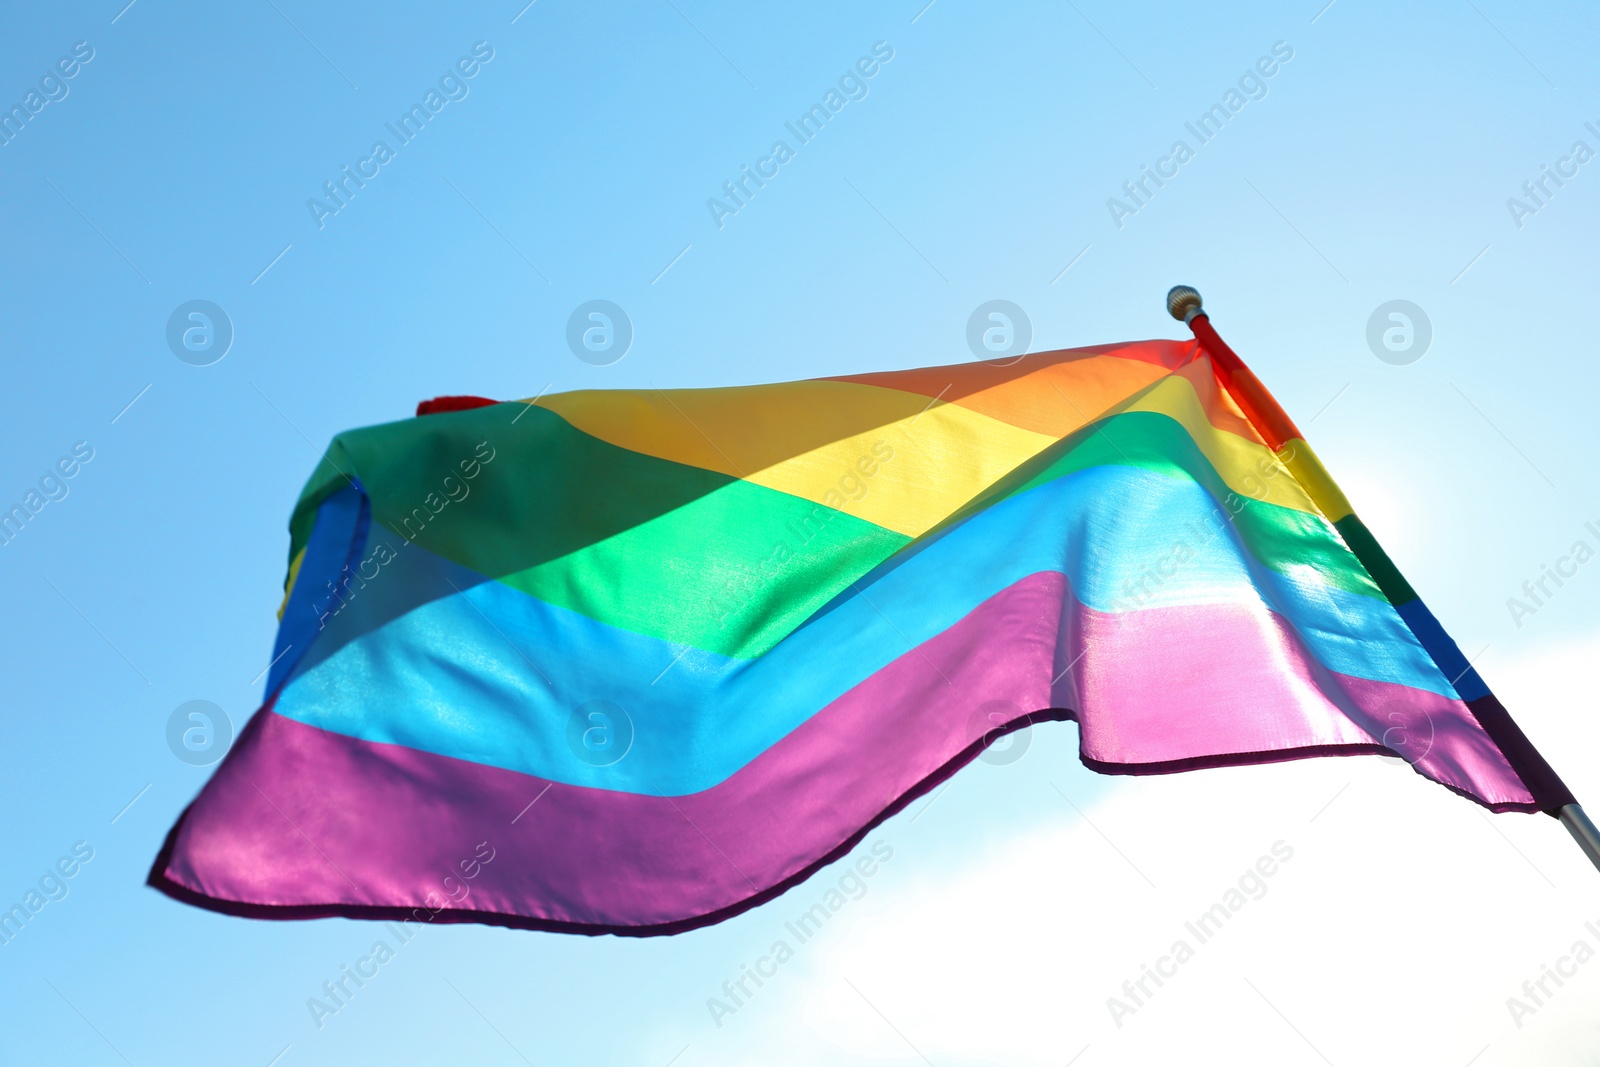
575, 164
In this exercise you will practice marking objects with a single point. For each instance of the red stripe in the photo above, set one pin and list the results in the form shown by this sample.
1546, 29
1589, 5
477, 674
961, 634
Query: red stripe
441, 404
1252, 397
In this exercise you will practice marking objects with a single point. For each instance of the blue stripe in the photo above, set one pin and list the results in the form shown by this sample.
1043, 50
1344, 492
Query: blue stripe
1443, 649
433, 656
333, 547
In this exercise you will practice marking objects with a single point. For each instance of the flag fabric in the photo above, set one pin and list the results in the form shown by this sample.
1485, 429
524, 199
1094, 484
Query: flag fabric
633, 661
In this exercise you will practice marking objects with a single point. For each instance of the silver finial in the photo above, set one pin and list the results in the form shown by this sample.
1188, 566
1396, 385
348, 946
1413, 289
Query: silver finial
1183, 302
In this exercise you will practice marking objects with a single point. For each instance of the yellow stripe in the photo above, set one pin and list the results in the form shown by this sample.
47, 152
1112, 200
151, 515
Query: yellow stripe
892, 458
889, 457
1319, 485
1248, 467
288, 588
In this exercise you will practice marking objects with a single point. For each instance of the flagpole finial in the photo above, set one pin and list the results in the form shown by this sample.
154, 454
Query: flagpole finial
1183, 302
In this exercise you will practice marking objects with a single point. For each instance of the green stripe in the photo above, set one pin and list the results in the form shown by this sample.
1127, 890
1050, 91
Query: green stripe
1382, 568
699, 558
1294, 543
660, 548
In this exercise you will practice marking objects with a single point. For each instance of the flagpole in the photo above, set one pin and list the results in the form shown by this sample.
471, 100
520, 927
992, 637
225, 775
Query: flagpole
1583, 831
1259, 407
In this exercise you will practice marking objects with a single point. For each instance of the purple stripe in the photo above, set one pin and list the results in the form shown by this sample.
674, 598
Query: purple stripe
299, 821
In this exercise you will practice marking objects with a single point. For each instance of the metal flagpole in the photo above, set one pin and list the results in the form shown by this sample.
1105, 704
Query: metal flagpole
1583, 831
1183, 303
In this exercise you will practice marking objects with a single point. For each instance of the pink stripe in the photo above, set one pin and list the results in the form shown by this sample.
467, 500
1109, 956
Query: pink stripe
298, 817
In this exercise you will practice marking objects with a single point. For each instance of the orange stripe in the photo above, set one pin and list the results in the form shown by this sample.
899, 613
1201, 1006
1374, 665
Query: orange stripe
1055, 393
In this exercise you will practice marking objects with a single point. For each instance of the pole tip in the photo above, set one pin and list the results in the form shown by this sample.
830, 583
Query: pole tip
1183, 302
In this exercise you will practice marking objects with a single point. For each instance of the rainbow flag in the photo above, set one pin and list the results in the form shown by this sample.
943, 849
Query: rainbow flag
633, 661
